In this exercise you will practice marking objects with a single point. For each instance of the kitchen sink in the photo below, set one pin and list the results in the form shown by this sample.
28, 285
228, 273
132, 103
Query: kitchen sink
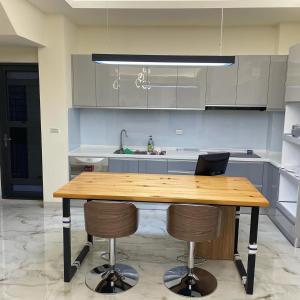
139, 152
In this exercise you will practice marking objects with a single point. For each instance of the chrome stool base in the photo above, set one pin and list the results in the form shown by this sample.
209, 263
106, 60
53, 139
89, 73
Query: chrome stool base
111, 280
121, 256
197, 260
198, 284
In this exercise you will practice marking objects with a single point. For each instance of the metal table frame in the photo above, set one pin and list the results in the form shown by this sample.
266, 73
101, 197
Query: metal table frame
247, 277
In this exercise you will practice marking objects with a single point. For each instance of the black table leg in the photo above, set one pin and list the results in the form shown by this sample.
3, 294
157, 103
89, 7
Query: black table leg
71, 269
67, 240
89, 237
252, 249
247, 277
237, 226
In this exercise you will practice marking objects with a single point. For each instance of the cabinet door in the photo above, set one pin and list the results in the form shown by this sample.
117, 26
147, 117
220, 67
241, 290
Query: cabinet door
253, 77
221, 85
162, 92
293, 75
182, 167
84, 73
156, 166
271, 187
107, 85
251, 170
121, 165
131, 93
277, 80
191, 87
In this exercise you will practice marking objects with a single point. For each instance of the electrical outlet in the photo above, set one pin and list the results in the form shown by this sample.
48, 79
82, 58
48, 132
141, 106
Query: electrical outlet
54, 130
179, 131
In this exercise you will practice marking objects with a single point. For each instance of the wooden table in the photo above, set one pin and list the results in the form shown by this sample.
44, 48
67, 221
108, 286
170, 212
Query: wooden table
157, 188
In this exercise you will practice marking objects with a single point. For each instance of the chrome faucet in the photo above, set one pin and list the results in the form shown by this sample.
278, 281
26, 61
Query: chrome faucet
121, 138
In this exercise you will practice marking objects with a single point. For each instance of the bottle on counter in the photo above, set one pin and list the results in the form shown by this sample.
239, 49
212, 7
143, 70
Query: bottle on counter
150, 146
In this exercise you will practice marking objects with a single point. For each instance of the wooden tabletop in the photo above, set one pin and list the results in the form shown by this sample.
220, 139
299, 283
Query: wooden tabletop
218, 190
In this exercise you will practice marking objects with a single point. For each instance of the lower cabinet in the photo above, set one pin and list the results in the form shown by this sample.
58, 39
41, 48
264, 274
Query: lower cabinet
125, 165
271, 187
132, 165
252, 170
182, 167
155, 166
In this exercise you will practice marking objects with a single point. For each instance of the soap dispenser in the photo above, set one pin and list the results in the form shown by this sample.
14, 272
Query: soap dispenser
150, 146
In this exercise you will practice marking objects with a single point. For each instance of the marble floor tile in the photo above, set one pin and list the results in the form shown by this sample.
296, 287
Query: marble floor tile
31, 262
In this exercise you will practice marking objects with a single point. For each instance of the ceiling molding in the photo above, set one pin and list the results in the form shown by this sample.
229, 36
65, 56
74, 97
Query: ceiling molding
167, 4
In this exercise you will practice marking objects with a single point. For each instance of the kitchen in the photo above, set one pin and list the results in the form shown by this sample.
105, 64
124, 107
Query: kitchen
136, 128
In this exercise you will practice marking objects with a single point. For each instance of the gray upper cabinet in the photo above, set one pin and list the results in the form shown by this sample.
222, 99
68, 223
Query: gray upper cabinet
221, 85
293, 75
254, 80
131, 92
162, 92
191, 88
277, 80
253, 77
84, 88
107, 85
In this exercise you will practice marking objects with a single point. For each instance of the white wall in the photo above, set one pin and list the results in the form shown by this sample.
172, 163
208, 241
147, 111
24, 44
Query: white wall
18, 54
178, 40
27, 21
55, 96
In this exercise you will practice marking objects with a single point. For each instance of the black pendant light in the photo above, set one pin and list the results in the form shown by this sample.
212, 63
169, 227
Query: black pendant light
163, 60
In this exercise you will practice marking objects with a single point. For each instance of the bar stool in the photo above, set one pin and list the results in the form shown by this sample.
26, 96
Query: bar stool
192, 223
111, 220
211, 164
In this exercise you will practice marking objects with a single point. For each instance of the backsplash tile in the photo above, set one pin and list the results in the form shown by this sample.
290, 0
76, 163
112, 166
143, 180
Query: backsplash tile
201, 129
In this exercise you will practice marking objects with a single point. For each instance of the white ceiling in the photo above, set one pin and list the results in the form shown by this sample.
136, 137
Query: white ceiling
171, 17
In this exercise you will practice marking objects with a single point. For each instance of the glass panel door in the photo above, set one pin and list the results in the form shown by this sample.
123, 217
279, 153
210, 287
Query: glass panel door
21, 147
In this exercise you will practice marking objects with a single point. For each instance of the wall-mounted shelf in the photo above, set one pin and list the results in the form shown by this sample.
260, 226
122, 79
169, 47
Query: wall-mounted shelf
289, 138
287, 206
290, 175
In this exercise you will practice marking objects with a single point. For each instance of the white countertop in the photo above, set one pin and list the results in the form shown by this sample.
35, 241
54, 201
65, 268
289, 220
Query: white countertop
171, 153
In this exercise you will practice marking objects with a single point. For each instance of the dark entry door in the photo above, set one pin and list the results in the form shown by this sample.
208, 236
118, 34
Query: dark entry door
21, 154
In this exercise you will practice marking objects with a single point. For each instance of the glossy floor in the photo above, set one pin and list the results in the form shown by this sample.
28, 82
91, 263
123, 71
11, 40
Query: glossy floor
31, 258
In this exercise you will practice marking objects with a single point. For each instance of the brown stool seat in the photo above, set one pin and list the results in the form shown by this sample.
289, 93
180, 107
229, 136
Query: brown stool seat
195, 223
192, 223
111, 220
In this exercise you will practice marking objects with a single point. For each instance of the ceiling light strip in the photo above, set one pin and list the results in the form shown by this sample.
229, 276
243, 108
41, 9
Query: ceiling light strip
163, 60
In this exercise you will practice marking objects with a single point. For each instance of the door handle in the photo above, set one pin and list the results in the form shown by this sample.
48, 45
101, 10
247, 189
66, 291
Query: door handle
6, 139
